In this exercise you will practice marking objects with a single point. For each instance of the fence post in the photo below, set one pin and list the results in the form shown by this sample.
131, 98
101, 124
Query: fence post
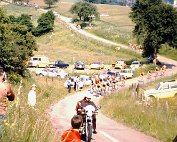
137, 89
166, 105
158, 103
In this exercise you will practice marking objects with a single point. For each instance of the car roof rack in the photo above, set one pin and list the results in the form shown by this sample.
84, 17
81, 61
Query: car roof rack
171, 80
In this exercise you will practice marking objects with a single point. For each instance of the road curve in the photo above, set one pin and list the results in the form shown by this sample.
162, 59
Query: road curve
108, 130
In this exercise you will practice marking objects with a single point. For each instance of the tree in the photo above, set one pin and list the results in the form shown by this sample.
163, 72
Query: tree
16, 46
50, 2
22, 20
45, 23
155, 24
85, 11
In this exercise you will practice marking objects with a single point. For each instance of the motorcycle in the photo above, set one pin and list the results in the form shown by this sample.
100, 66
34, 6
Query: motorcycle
86, 128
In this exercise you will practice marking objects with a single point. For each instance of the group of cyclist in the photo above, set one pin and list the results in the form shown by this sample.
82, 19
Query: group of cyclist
102, 85
159, 71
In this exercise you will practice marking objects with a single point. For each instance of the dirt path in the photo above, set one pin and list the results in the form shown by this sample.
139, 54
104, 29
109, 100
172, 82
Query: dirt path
108, 130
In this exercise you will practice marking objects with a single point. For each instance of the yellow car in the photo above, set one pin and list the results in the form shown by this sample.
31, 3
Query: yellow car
163, 90
120, 64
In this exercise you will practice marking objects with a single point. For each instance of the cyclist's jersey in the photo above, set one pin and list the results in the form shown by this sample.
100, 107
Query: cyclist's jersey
108, 83
71, 135
97, 81
142, 74
156, 69
163, 67
98, 85
103, 83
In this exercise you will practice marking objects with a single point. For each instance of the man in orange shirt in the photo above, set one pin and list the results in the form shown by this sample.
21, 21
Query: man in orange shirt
73, 135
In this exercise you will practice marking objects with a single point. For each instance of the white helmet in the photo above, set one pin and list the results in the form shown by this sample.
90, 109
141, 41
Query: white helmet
87, 95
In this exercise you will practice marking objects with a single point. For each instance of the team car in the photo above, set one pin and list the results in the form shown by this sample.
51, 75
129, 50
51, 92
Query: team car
51, 73
163, 90
126, 73
97, 65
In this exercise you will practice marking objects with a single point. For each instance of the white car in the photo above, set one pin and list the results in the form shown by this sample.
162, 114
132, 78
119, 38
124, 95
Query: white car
126, 73
96, 65
135, 64
163, 90
52, 73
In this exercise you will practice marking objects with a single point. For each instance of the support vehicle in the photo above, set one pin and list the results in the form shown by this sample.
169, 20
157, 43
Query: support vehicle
163, 90
60, 64
120, 64
126, 73
39, 61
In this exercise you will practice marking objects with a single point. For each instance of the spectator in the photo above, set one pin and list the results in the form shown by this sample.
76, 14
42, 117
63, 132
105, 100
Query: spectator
5, 93
69, 84
32, 96
73, 135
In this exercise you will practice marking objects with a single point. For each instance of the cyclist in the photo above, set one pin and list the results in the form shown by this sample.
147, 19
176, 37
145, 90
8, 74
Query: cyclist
73, 135
162, 70
122, 80
149, 74
141, 80
85, 102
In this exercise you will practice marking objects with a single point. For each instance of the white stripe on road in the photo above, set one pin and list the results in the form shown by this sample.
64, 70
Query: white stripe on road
108, 136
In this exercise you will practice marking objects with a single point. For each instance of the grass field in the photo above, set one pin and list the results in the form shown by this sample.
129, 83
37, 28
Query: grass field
28, 124
159, 122
69, 46
115, 25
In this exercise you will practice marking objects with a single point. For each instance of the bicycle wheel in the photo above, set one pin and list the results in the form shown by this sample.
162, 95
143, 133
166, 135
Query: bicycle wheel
89, 133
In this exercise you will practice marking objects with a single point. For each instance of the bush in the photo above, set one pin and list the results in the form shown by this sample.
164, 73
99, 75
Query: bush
14, 78
45, 24
75, 20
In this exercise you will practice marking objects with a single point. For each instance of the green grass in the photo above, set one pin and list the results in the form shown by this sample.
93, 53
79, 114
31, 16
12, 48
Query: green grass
169, 52
25, 124
59, 47
155, 121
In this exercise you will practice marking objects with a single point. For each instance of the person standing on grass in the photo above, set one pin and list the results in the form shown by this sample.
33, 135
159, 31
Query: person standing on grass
6, 93
32, 96
69, 84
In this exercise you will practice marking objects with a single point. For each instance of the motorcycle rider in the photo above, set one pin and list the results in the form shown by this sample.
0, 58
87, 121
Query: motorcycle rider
85, 102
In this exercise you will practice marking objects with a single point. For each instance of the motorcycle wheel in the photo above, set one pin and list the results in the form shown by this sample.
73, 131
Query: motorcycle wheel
89, 133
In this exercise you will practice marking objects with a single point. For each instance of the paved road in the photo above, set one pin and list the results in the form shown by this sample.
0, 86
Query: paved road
108, 130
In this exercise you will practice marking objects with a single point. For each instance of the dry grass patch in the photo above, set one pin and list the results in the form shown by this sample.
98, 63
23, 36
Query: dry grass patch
77, 48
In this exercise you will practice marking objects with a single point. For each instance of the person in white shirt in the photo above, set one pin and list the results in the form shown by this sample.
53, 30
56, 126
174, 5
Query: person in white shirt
32, 96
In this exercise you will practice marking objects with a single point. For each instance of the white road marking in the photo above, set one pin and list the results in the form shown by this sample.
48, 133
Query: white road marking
108, 136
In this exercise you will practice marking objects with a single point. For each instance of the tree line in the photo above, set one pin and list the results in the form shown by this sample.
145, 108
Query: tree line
17, 40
